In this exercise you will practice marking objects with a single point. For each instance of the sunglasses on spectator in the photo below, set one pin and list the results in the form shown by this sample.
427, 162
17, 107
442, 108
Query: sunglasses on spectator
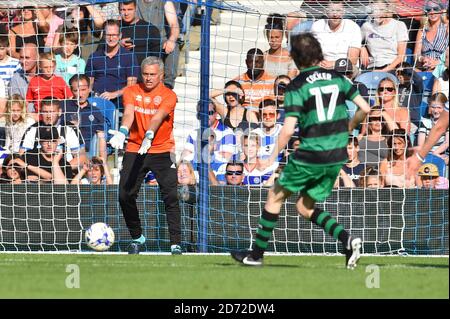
375, 118
386, 88
239, 173
211, 112
432, 9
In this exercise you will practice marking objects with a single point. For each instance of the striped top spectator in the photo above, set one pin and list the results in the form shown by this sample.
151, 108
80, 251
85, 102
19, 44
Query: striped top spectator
8, 66
435, 49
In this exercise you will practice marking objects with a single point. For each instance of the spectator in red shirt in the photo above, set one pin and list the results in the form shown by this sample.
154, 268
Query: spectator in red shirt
46, 83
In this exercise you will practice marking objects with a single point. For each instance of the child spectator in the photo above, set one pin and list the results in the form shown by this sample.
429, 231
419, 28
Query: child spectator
67, 63
353, 168
8, 65
435, 108
46, 83
94, 173
428, 177
17, 123
371, 178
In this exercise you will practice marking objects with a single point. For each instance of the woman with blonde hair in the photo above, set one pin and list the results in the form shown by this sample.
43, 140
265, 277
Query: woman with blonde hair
387, 98
17, 122
186, 173
432, 39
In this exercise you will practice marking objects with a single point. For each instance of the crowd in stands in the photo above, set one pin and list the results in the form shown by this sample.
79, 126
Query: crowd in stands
53, 62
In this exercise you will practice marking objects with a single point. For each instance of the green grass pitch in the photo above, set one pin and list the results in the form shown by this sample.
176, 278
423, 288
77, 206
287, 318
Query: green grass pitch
218, 276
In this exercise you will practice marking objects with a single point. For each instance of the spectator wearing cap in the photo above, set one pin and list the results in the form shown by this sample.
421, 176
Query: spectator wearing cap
71, 139
345, 67
384, 38
48, 164
428, 177
432, 38
339, 38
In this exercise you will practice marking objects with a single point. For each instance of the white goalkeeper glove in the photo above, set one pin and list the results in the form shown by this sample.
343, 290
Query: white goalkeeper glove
119, 137
147, 142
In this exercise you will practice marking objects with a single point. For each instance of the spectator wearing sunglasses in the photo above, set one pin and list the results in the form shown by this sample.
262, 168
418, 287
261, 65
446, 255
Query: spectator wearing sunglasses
387, 98
269, 130
432, 39
234, 173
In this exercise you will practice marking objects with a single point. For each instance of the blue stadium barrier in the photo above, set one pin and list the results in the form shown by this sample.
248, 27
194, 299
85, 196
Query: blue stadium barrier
428, 80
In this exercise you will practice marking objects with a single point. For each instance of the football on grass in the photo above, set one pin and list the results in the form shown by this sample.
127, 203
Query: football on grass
99, 237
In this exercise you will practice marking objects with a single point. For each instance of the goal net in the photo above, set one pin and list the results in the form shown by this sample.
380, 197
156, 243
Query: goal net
373, 43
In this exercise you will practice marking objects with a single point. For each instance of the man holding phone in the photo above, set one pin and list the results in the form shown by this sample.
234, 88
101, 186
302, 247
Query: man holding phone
139, 36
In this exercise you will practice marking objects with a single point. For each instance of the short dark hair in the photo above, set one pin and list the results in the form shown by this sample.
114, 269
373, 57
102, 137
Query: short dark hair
80, 77
305, 50
50, 100
264, 103
127, 2
111, 22
255, 51
4, 41
235, 163
353, 140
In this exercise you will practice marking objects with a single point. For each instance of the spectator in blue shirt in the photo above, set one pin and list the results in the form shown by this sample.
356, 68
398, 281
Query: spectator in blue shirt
112, 68
87, 118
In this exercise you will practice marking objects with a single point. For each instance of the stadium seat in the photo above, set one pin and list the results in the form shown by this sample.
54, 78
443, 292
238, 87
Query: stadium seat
409, 56
111, 115
428, 80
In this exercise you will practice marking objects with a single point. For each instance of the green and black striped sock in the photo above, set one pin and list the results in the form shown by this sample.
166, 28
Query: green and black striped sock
267, 223
330, 225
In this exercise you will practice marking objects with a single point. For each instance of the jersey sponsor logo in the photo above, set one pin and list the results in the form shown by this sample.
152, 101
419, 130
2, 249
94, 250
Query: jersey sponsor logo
145, 111
157, 100
147, 100
139, 98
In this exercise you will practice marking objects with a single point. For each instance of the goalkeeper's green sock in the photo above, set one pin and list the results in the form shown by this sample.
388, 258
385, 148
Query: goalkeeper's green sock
267, 223
140, 240
330, 225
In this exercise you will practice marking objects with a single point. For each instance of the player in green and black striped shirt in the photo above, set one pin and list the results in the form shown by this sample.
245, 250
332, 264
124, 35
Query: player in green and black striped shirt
316, 101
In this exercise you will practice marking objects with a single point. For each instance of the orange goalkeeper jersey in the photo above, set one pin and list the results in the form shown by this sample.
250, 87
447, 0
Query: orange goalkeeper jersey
146, 104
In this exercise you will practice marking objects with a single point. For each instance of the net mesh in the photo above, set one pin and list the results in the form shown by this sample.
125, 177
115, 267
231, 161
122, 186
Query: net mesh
391, 220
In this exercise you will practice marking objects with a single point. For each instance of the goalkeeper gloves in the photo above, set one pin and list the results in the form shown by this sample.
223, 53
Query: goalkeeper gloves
119, 137
147, 142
